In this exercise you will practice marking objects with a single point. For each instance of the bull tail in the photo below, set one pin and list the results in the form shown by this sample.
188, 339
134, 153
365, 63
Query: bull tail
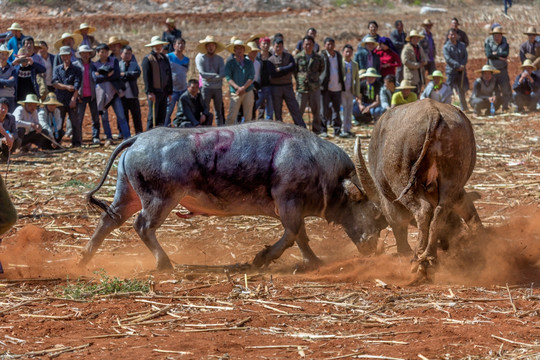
434, 119
102, 204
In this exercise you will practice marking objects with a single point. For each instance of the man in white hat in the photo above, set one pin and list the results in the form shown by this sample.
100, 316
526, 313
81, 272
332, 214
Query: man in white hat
240, 74
85, 30
115, 45
157, 82
497, 50
170, 35
369, 101
437, 89
7, 78
179, 68
27, 121
414, 59
530, 49
428, 45
365, 55
456, 57
211, 69
526, 87
486, 92
70, 40
67, 80
87, 93
15, 42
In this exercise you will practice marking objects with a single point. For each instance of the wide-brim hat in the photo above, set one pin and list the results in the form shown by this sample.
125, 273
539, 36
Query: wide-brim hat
3, 48
237, 42
370, 72
201, 47
488, 68
83, 26
427, 22
255, 36
52, 100
414, 33
156, 40
531, 31
116, 40
369, 39
253, 46
406, 84
497, 30
85, 49
170, 21
64, 50
15, 26
30, 99
528, 63
436, 73
77, 38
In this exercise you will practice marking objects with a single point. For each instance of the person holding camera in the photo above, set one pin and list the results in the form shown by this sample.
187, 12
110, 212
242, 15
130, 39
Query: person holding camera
25, 73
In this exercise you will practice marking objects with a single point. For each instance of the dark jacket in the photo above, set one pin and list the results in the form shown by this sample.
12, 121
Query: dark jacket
148, 74
170, 37
527, 87
286, 65
325, 75
93, 70
36, 69
190, 109
114, 78
361, 57
398, 39
131, 74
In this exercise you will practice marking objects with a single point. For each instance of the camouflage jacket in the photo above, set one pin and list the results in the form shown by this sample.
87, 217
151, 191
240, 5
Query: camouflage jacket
308, 71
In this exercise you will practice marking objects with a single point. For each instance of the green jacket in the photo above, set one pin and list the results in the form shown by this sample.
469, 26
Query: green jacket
307, 72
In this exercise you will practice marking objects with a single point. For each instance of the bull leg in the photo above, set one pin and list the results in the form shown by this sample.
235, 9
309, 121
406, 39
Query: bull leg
152, 215
398, 219
440, 215
400, 233
467, 211
423, 213
303, 243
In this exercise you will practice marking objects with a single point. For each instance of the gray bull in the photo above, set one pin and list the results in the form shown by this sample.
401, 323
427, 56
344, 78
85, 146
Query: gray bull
421, 156
264, 168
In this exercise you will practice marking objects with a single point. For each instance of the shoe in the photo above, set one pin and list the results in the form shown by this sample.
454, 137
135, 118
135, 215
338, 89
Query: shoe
323, 135
108, 142
119, 137
345, 135
355, 122
96, 141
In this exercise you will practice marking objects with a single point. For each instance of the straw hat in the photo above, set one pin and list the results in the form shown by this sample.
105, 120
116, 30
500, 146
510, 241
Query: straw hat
370, 72
406, 84
3, 48
414, 33
22, 52
488, 68
30, 99
369, 39
436, 73
531, 31
86, 49
15, 26
83, 26
52, 100
156, 40
208, 40
255, 36
170, 21
64, 50
253, 46
528, 63
497, 30
236, 43
427, 22
116, 40
77, 38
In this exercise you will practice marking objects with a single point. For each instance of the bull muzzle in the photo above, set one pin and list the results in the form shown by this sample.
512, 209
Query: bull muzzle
367, 244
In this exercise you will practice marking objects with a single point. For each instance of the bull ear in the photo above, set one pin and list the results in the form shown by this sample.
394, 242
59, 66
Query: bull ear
353, 191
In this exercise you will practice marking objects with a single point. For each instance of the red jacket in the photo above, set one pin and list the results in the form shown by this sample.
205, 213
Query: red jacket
389, 62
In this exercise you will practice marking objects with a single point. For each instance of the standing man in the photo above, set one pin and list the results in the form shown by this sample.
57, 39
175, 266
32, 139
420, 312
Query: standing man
115, 45
309, 67
365, 55
72, 41
129, 73
170, 35
300, 45
67, 79
461, 35
85, 30
456, 57
332, 85
211, 69
15, 43
240, 73
281, 74
414, 59
264, 101
87, 93
179, 68
49, 61
352, 90
398, 36
428, 44
497, 50
157, 82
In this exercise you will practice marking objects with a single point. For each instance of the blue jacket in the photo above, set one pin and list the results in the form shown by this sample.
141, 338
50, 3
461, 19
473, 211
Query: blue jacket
361, 57
14, 44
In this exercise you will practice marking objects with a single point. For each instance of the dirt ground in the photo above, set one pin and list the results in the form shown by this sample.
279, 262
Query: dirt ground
483, 301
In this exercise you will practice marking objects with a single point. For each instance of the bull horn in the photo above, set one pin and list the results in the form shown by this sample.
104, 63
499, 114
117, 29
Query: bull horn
363, 173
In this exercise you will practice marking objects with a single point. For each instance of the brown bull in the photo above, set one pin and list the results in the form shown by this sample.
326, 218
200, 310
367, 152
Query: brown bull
420, 158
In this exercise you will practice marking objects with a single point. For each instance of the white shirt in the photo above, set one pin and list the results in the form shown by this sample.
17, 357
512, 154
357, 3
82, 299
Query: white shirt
24, 119
333, 84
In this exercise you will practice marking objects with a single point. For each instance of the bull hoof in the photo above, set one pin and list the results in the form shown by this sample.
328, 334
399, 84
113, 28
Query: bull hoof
164, 265
261, 259
84, 260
